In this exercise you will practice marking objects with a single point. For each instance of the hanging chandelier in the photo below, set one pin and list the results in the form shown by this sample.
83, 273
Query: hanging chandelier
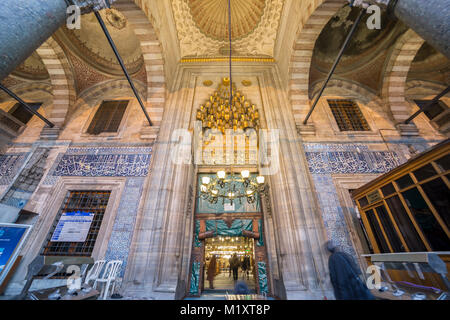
226, 186
218, 114
230, 110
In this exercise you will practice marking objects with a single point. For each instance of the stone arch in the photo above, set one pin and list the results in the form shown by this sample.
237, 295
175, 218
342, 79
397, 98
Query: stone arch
301, 58
396, 73
432, 87
28, 87
83, 110
369, 102
102, 91
32, 91
140, 21
358, 92
346, 86
61, 78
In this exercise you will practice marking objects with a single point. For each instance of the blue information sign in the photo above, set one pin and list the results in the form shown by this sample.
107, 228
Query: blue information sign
11, 238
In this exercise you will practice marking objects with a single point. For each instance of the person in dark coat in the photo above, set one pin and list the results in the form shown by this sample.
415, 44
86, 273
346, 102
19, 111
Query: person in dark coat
211, 272
246, 265
234, 265
344, 275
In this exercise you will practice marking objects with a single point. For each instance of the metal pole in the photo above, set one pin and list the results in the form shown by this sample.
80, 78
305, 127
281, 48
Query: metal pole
113, 46
429, 104
26, 106
229, 38
333, 68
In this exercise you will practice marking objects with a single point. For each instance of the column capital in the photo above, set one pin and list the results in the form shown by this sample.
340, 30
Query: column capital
88, 6
366, 3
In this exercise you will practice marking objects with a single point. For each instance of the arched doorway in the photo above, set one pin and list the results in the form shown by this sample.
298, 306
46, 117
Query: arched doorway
222, 230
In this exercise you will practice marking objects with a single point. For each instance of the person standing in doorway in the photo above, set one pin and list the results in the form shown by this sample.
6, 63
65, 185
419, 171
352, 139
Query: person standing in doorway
211, 271
234, 265
344, 275
246, 265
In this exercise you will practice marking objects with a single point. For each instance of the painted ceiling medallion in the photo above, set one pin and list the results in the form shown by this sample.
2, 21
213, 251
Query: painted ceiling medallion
90, 44
211, 17
207, 83
116, 18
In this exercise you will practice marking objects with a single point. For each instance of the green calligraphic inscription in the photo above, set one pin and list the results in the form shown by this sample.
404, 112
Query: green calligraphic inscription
260, 241
220, 228
197, 242
262, 275
195, 275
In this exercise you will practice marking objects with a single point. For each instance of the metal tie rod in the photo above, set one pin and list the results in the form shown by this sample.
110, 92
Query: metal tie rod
119, 58
333, 68
26, 106
429, 104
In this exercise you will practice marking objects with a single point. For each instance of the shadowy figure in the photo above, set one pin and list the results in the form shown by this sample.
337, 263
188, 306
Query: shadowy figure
344, 275
241, 288
234, 265
246, 265
211, 271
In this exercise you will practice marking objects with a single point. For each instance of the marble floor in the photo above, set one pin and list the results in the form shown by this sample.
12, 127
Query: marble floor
224, 281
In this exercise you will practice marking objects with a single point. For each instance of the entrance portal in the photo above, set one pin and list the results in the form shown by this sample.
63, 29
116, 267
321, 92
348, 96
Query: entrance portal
223, 248
222, 228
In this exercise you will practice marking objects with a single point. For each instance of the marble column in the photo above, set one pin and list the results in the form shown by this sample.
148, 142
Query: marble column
26, 24
297, 223
158, 243
430, 19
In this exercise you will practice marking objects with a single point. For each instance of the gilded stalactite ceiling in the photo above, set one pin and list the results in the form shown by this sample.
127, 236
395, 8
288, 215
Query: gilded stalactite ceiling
211, 17
202, 26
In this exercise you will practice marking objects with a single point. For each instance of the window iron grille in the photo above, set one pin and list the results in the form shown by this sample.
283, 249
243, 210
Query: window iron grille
348, 115
108, 117
85, 201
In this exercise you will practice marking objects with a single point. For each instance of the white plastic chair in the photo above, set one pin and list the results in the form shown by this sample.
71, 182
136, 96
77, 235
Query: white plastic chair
109, 277
94, 272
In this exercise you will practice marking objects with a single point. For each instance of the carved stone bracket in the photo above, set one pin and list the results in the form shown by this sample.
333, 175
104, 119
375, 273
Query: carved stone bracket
88, 6
408, 130
148, 132
366, 3
50, 133
306, 129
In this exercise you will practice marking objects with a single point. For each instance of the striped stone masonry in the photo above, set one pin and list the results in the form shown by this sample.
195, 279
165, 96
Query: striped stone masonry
302, 56
153, 58
397, 72
61, 78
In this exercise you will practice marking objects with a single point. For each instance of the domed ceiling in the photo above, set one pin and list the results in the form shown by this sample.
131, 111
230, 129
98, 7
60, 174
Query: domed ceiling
202, 26
211, 17
90, 44
430, 65
365, 56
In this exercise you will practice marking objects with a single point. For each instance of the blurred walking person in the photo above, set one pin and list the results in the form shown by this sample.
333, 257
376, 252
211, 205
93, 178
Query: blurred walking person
234, 265
211, 272
344, 275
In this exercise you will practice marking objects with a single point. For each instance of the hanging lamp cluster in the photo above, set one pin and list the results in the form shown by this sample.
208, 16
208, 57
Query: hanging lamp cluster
218, 114
228, 186
228, 109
